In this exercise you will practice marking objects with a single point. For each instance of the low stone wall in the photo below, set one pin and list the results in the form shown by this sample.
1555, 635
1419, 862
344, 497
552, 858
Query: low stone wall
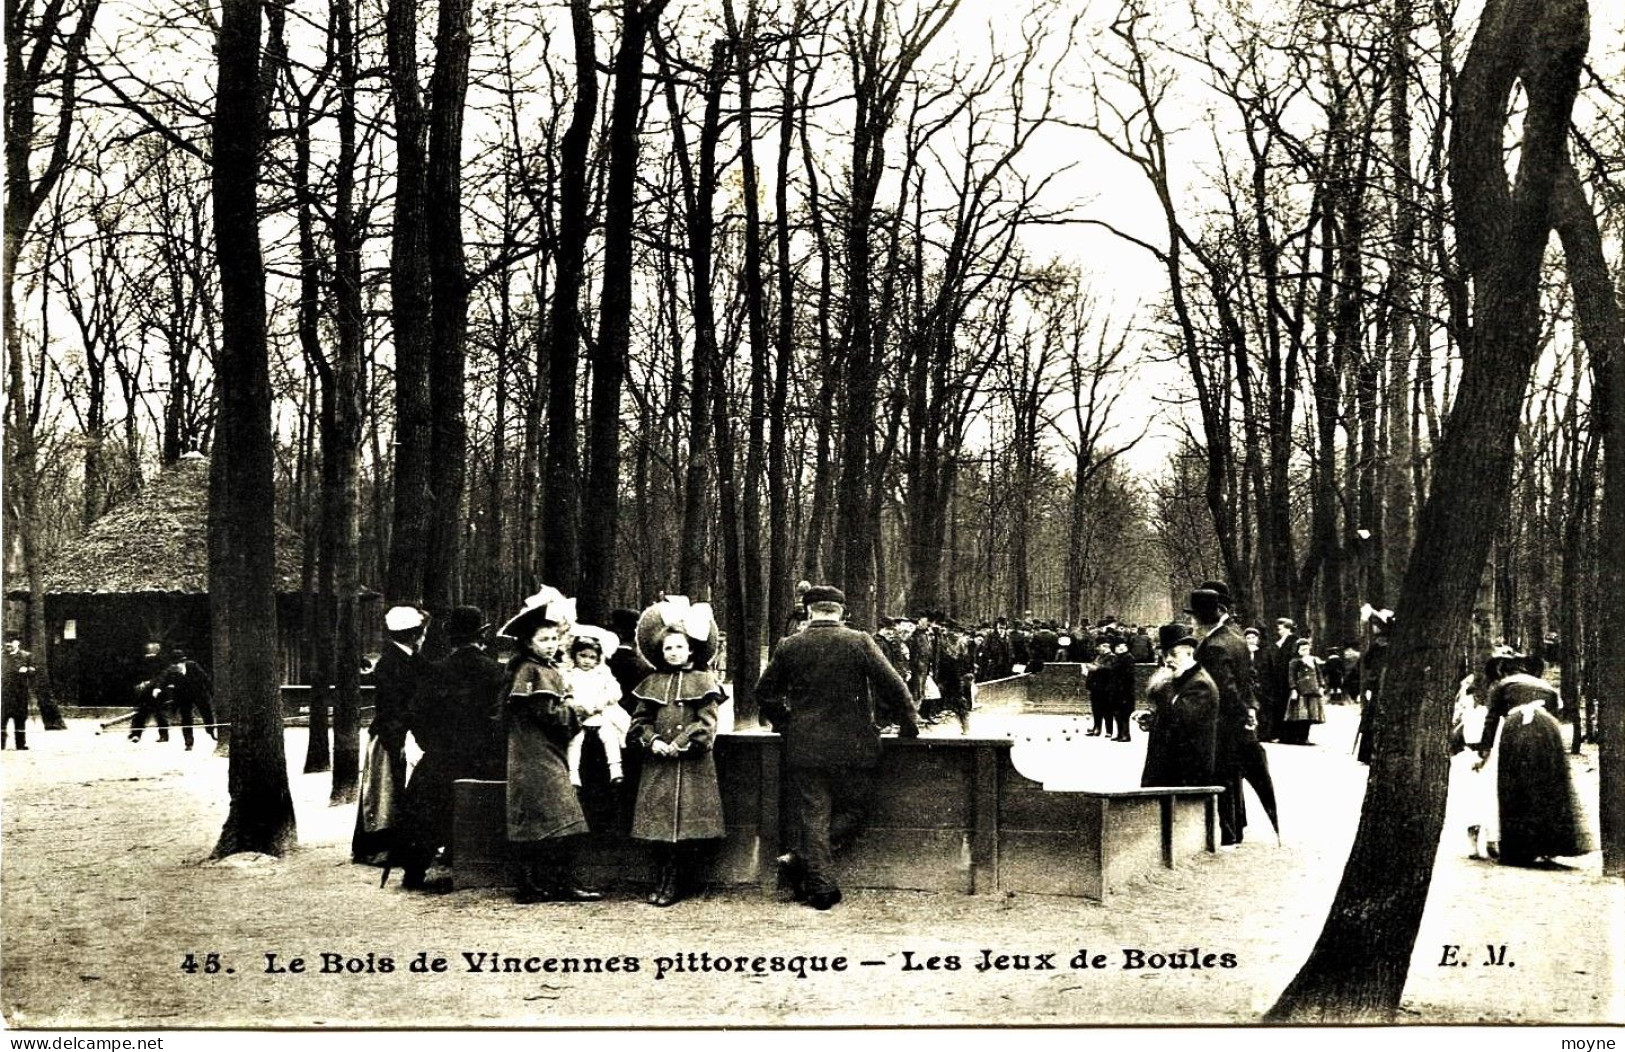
951, 814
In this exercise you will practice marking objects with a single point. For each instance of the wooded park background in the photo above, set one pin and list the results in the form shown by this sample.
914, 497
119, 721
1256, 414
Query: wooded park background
955, 305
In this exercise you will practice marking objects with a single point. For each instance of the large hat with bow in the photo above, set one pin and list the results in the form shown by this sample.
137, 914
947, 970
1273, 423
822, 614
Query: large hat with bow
547, 607
694, 620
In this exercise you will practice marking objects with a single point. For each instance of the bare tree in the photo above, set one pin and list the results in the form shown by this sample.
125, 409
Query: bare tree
1358, 967
242, 534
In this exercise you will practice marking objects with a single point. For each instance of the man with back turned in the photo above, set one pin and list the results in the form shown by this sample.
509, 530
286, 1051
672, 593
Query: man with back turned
821, 691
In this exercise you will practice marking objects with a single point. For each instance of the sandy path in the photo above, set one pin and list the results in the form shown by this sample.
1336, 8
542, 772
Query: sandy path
104, 894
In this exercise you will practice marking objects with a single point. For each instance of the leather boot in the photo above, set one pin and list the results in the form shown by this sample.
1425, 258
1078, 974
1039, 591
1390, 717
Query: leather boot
670, 891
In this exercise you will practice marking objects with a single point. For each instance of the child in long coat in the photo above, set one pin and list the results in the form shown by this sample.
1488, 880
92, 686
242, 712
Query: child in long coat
543, 812
678, 804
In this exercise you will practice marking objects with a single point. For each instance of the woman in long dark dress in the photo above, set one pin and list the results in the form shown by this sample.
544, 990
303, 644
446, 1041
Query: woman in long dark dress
1539, 810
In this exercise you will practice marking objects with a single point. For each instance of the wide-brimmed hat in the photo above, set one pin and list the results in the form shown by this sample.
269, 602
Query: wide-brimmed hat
465, 624
547, 607
677, 612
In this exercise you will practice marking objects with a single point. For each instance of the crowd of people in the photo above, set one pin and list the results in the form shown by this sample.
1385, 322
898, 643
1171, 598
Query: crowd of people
652, 705
634, 706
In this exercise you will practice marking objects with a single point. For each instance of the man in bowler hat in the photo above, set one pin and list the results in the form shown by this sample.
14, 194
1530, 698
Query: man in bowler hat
820, 691
1222, 652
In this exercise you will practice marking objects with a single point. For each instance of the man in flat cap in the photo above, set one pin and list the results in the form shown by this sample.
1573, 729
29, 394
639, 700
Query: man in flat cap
821, 691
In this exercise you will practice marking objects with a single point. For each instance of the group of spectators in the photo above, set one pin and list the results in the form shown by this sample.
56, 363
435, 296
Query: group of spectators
941, 660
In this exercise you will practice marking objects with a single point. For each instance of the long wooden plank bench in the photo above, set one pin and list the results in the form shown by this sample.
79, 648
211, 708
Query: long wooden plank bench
950, 814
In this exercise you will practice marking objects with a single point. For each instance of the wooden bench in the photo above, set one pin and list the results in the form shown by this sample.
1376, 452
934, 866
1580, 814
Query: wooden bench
950, 814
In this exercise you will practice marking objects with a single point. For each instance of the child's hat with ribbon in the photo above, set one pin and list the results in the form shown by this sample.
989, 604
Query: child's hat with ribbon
697, 621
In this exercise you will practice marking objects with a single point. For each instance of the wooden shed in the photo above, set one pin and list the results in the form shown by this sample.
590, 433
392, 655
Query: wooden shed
141, 574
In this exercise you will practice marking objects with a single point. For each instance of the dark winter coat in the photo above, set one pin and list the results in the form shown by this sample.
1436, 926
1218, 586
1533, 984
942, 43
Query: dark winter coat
996, 656
457, 716
395, 681
1184, 729
542, 803
1372, 672
821, 690
629, 669
1541, 815
1223, 655
16, 683
188, 690
456, 719
1042, 648
677, 795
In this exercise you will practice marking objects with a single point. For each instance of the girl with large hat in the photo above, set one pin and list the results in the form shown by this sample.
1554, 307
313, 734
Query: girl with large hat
679, 807
543, 812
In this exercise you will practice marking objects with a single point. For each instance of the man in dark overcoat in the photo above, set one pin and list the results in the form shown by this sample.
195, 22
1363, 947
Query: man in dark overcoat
820, 691
456, 719
17, 684
186, 686
996, 657
395, 681
922, 660
1373, 674
1045, 641
1222, 653
1122, 691
149, 699
1182, 730
1269, 680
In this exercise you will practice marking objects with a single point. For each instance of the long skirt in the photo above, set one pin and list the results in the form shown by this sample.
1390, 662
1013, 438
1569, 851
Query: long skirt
1540, 813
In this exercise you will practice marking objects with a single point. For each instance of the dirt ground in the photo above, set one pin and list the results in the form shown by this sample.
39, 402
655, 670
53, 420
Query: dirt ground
105, 892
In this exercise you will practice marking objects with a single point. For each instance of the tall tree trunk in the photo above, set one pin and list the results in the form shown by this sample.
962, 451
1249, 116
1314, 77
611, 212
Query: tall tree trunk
1598, 318
600, 520
778, 484
448, 281
745, 662
1404, 325
561, 538
341, 497
317, 579
1358, 967
242, 489
412, 314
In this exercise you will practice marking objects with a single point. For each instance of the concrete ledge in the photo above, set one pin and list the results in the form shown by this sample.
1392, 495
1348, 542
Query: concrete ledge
949, 815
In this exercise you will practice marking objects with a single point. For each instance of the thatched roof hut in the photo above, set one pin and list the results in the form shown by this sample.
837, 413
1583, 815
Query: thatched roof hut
158, 542
140, 575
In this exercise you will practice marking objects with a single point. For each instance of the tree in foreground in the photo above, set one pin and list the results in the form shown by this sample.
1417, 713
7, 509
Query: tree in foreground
1358, 967
242, 538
